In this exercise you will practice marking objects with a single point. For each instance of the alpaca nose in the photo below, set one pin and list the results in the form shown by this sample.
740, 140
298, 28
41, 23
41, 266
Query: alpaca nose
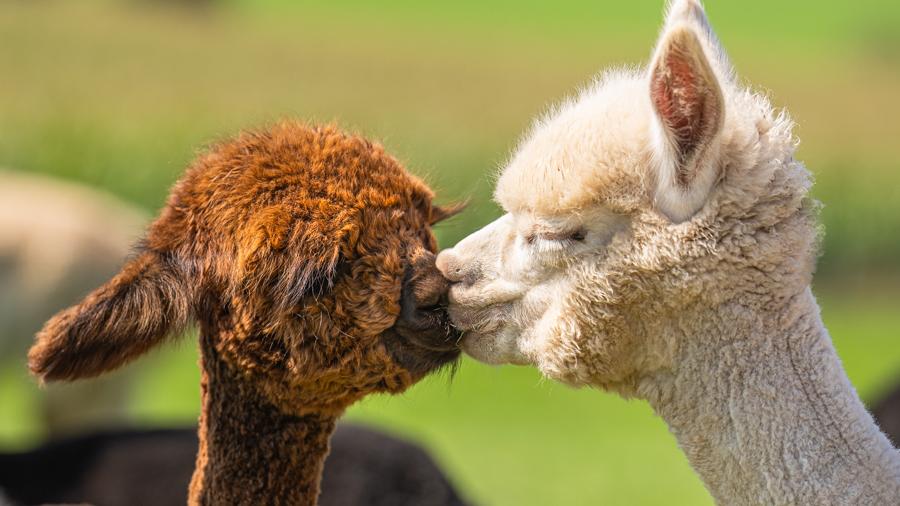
426, 287
423, 315
449, 264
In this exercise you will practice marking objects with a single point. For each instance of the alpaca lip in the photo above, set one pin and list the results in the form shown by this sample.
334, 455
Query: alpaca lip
483, 320
430, 330
493, 348
422, 352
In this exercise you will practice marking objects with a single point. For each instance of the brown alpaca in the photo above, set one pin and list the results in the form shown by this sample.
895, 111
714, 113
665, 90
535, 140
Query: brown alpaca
306, 257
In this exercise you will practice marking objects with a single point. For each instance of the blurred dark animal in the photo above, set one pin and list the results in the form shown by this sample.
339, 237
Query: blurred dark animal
153, 468
58, 240
887, 414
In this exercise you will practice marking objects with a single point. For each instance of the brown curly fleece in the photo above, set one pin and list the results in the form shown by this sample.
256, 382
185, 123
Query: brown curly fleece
307, 258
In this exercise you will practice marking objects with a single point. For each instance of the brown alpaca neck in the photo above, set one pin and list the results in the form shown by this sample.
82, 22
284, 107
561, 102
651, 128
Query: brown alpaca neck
250, 452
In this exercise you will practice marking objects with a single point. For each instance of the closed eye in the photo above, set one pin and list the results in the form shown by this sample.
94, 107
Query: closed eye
577, 235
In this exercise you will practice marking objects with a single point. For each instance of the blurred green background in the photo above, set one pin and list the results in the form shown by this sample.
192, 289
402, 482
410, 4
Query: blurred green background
121, 95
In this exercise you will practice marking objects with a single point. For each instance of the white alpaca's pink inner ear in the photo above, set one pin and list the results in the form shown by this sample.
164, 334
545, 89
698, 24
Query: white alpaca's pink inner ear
689, 109
680, 101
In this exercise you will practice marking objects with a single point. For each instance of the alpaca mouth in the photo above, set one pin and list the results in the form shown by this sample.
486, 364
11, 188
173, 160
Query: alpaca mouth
421, 353
495, 348
423, 337
425, 342
482, 320
487, 335
431, 330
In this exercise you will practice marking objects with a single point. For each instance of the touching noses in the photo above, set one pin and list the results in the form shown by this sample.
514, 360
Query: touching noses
450, 266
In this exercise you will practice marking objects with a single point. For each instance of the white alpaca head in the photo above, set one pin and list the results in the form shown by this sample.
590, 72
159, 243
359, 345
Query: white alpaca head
628, 206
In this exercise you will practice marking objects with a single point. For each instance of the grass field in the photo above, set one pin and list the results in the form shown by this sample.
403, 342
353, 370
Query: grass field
121, 96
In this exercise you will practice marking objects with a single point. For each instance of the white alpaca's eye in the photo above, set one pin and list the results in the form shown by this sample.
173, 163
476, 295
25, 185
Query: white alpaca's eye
576, 235
555, 241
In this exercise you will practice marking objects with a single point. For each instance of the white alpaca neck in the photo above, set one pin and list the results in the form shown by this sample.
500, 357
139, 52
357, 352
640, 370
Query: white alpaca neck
760, 404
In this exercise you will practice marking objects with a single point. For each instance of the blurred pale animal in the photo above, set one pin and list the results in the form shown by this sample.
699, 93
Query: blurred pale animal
57, 241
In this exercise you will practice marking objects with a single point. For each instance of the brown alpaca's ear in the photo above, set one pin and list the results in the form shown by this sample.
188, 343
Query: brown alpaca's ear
113, 325
441, 213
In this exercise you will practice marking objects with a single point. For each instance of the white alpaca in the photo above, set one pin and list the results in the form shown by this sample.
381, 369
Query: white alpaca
659, 242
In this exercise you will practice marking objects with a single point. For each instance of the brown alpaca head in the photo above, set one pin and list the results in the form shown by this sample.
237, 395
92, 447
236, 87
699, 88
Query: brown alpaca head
305, 254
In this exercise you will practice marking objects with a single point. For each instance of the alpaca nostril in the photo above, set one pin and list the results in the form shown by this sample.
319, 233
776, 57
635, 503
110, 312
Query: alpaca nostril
449, 265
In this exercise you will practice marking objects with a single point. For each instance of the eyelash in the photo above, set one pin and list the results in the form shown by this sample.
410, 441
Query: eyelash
575, 236
578, 235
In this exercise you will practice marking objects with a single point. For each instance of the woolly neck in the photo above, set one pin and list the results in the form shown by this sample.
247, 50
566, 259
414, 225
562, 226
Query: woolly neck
251, 452
765, 413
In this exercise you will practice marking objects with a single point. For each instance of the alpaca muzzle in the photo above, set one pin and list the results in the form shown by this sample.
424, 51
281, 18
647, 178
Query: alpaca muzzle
423, 338
424, 319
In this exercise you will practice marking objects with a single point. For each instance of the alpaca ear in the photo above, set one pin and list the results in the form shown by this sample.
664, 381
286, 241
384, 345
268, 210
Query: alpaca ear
113, 325
690, 13
441, 213
689, 111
